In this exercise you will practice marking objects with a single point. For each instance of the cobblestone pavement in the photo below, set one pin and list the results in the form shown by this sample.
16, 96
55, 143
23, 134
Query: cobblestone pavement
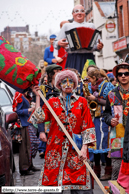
32, 180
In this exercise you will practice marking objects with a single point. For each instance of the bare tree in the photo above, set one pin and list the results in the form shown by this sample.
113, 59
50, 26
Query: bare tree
34, 54
36, 49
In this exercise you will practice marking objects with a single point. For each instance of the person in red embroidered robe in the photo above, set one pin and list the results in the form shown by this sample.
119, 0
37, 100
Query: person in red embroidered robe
63, 166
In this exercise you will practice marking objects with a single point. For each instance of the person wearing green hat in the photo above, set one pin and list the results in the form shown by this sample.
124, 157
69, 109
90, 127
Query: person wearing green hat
52, 68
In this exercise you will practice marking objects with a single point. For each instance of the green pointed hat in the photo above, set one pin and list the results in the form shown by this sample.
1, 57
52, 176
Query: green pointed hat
90, 62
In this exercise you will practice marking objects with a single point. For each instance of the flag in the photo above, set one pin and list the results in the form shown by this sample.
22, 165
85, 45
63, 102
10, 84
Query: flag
88, 63
15, 69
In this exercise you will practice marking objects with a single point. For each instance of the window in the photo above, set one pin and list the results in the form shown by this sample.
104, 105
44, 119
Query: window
121, 21
4, 99
10, 90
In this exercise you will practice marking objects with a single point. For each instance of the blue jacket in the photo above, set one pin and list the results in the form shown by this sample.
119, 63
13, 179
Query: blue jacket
22, 111
48, 55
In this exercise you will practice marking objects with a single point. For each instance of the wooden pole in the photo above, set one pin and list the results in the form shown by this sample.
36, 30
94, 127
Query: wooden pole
71, 141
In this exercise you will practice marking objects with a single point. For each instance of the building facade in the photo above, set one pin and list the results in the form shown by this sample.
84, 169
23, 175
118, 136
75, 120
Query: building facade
104, 17
121, 45
21, 41
9, 31
102, 13
19, 37
76, 2
88, 5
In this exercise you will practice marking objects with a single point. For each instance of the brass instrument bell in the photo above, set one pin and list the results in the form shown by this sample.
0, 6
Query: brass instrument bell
93, 105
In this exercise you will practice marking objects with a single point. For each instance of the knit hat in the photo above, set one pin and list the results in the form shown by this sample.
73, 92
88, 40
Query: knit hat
64, 74
49, 68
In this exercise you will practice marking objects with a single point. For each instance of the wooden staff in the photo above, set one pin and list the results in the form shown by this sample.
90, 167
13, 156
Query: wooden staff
71, 141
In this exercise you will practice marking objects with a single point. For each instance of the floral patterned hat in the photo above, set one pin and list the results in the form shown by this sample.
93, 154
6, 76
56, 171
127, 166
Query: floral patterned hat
15, 69
62, 75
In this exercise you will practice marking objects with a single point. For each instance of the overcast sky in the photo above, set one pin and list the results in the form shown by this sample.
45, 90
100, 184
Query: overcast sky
43, 16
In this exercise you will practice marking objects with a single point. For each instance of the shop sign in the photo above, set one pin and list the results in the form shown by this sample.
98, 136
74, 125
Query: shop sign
119, 44
110, 26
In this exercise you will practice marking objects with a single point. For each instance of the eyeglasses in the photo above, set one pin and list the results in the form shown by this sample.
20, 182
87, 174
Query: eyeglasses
79, 10
123, 73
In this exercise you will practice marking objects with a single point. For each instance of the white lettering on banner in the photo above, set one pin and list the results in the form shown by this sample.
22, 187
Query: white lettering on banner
120, 44
31, 189
115, 46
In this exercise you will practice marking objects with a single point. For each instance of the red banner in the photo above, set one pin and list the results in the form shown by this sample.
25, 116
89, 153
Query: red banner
120, 44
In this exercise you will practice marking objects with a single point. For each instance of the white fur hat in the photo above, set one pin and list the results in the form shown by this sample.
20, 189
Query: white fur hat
62, 75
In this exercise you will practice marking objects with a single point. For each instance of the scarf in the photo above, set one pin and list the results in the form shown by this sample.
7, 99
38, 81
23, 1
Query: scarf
51, 48
68, 101
98, 82
16, 99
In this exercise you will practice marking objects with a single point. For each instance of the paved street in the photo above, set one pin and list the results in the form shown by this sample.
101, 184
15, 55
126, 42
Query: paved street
32, 180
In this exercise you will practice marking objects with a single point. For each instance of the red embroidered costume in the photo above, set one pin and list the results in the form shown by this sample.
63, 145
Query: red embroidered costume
62, 166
